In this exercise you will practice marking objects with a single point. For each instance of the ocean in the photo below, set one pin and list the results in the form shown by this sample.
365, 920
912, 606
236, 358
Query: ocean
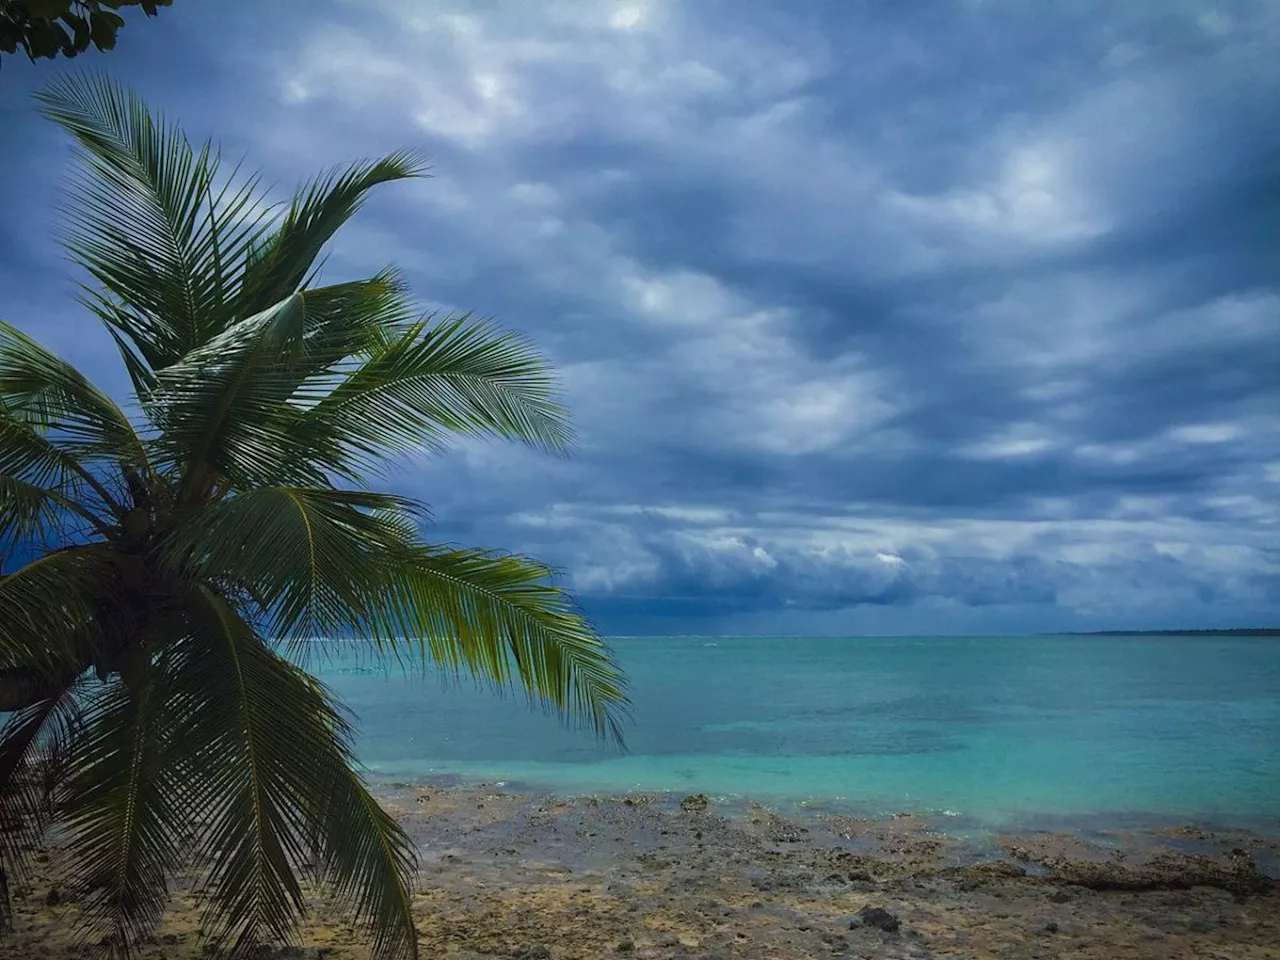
997, 731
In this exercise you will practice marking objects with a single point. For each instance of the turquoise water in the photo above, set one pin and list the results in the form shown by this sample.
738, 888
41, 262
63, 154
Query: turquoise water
993, 729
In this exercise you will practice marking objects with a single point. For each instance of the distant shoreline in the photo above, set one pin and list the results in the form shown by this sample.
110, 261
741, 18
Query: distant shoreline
1229, 632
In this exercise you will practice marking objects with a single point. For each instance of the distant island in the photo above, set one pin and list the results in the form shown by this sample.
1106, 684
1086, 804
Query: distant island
1230, 632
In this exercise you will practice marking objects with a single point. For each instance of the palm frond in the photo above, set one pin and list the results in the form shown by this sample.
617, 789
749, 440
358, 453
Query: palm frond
154, 223
314, 557
31, 457
126, 809
429, 381
282, 261
235, 405
277, 785
35, 514
220, 408
348, 562
59, 431
250, 780
33, 750
364, 861
40, 388
48, 607
497, 616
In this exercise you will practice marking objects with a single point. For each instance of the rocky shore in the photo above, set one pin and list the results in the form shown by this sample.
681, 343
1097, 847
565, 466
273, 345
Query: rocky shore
508, 875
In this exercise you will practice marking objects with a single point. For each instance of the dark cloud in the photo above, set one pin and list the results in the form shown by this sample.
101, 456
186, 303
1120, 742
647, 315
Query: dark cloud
874, 317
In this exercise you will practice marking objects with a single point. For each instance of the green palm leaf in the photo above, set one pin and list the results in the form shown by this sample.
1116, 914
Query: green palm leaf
33, 745
429, 381
365, 861
32, 512
230, 411
154, 224
48, 609
498, 617
279, 265
275, 776
42, 389
313, 557
339, 562
257, 726
126, 809
58, 431
220, 408
35, 462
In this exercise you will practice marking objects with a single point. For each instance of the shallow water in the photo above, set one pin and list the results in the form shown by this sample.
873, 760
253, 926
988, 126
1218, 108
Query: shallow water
990, 730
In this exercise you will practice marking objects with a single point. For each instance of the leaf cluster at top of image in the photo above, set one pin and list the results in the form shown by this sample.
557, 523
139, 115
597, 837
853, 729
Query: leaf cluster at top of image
43, 29
166, 565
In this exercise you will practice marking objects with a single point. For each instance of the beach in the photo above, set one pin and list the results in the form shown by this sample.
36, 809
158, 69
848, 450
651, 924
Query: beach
511, 874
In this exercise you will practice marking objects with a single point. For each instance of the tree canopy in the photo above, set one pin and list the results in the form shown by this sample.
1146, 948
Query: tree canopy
188, 547
47, 28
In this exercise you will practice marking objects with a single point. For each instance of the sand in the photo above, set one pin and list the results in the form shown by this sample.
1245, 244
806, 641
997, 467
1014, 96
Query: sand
509, 875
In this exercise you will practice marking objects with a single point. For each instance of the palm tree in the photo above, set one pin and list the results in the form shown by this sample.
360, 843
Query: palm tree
180, 556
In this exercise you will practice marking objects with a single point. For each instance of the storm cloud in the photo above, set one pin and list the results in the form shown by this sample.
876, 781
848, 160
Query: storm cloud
947, 316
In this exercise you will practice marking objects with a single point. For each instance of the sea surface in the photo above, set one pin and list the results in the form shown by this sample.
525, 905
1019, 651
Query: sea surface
997, 731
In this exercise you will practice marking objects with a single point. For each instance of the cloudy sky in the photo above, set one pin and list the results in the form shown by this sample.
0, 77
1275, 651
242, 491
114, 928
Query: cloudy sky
874, 317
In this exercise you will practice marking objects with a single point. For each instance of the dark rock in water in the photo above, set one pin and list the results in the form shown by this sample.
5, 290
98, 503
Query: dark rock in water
53, 897
626, 945
699, 801
877, 917
534, 951
1050, 927
1059, 896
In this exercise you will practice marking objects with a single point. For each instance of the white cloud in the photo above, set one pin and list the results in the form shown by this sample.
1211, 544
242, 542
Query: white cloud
1201, 433
1017, 440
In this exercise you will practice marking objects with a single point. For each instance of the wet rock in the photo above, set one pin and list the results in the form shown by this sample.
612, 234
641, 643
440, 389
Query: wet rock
1050, 927
981, 874
1163, 871
626, 945
1059, 896
877, 917
534, 951
53, 897
695, 803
